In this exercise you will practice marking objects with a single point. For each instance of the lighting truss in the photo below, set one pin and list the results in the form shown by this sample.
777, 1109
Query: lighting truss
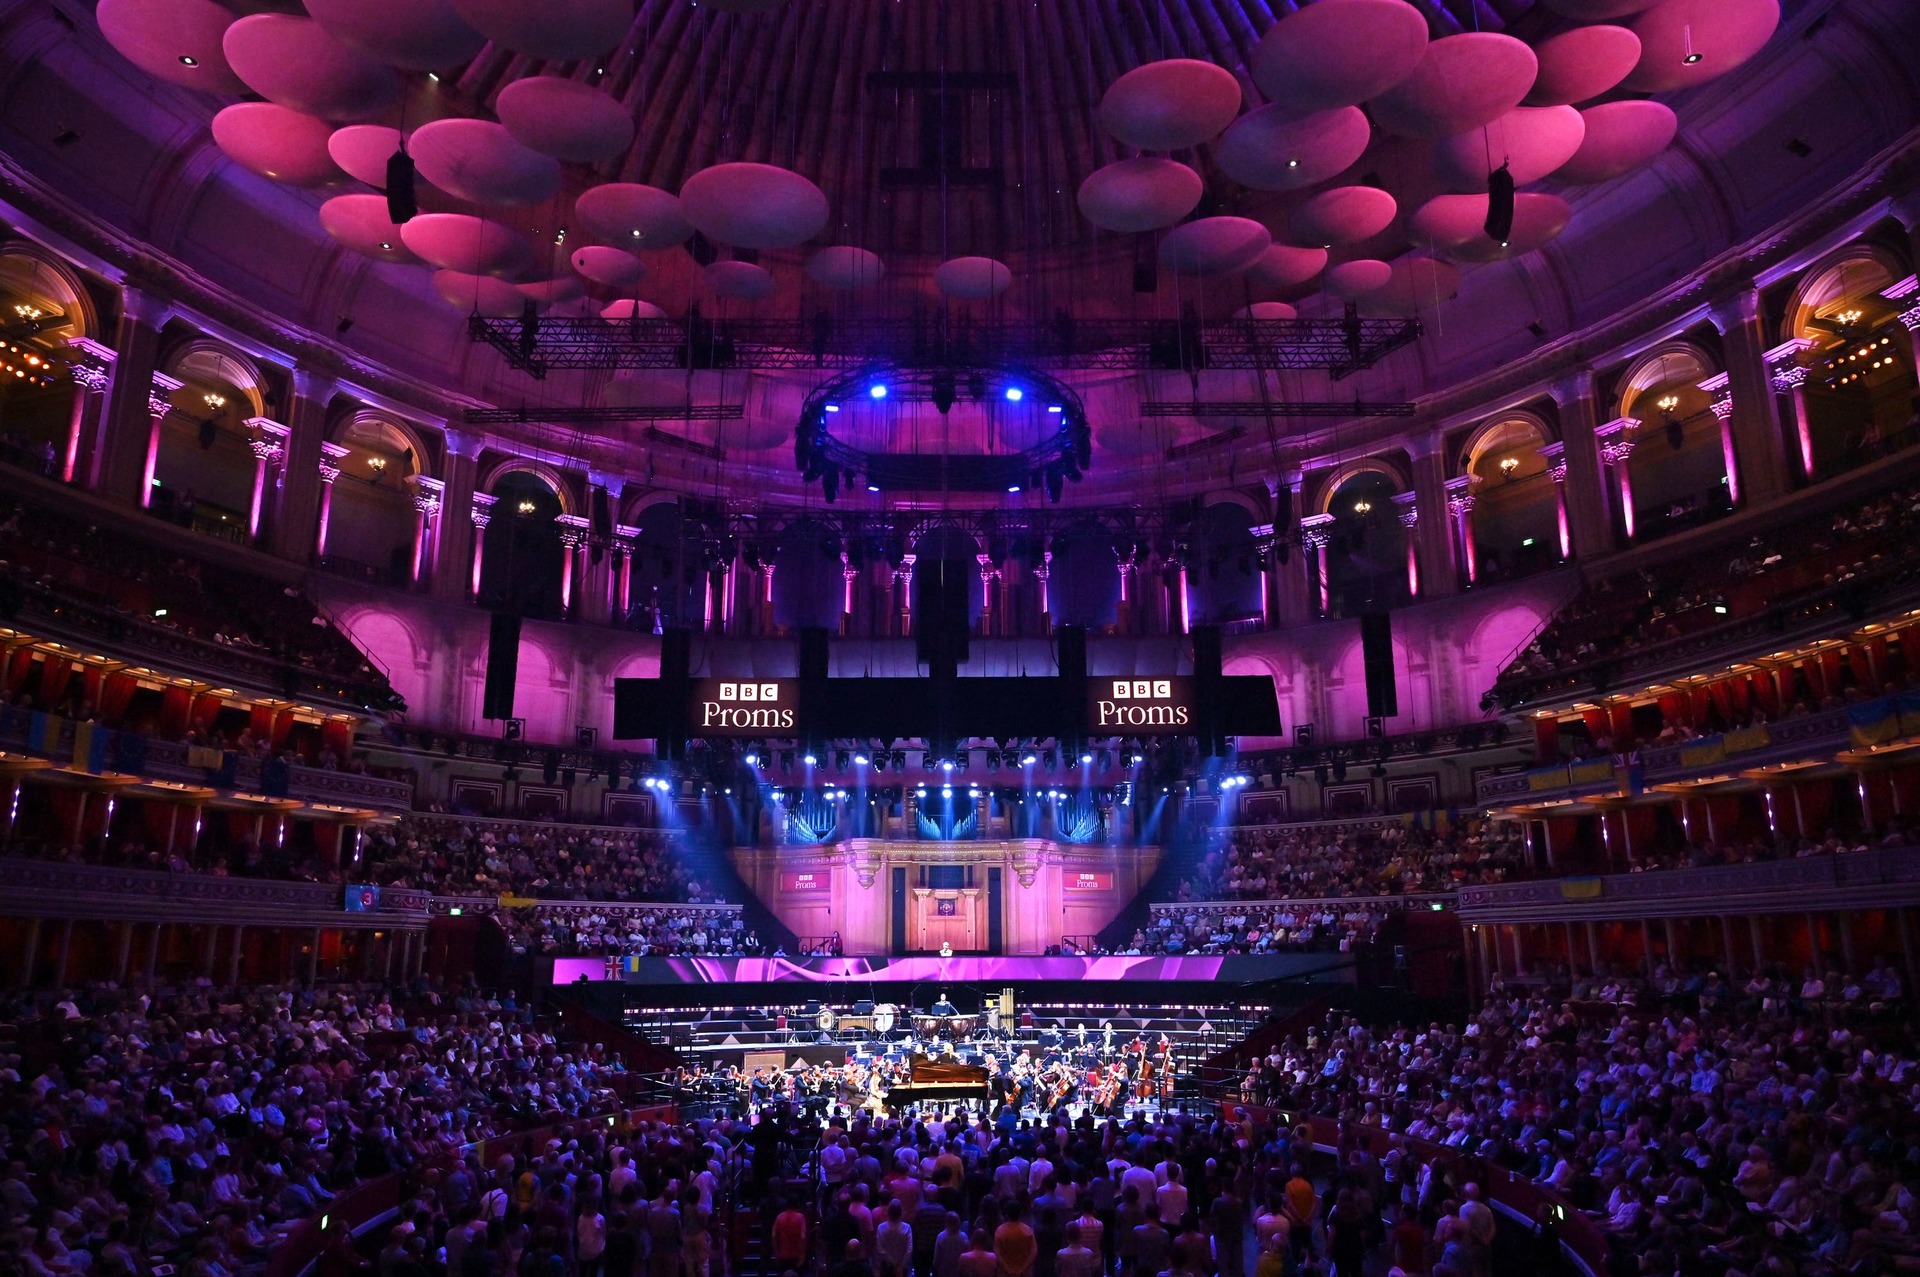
594, 416
1339, 347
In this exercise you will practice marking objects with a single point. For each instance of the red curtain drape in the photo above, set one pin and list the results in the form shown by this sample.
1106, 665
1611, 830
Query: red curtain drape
205, 707
282, 724
56, 675
1622, 725
115, 694
1546, 738
337, 735
260, 722
155, 815
1596, 721
18, 668
1765, 693
176, 711
1816, 803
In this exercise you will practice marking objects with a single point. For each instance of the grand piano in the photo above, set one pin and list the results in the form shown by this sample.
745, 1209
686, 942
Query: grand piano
936, 1081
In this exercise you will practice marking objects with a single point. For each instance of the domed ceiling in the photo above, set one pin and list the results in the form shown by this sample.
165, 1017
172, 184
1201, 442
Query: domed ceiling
1100, 159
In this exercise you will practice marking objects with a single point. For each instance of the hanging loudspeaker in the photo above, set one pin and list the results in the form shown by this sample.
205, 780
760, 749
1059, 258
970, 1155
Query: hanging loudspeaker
503, 665
1376, 646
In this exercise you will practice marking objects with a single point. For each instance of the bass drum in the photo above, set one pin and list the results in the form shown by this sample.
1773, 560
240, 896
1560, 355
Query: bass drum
826, 1020
993, 1017
883, 1018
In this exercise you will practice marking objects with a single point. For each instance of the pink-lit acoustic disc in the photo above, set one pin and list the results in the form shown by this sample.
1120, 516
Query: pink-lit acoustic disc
480, 161
1688, 42
633, 216
1582, 63
490, 296
1284, 267
420, 35
754, 205
467, 244
277, 143
1356, 279
846, 268
294, 62
1343, 215
972, 278
1170, 105
1620, 137
630, 308
178, 41
565, 119
1267, 310
1532, 141
1338, 53
608, 267
1141, 194
743, 281
1214, 246
1462, 82
1270, 150
360, 223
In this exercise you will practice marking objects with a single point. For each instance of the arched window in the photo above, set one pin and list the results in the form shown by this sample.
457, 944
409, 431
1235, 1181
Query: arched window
371, 519
808, 590
1367, 554
41, 306
1223, 572
1678, 467
1515, 509
203, 471
1860, 391
521, 557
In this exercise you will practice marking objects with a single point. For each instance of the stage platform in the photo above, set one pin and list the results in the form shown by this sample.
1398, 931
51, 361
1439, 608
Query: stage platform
961, 970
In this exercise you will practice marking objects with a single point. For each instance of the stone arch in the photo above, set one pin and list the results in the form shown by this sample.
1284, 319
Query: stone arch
634, 503
1233, 496
1676, 363
540, 470
1331, 485
401, 435
1498, 432
37, 277
1854, 270
203, 360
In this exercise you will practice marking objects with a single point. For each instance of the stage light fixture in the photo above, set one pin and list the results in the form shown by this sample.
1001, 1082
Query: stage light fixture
1015, 394
1054, 407
946, 765
1086, 758
1013, 487
1028, 760
878, 390
753, 760
810, 760
859, 760
833, 407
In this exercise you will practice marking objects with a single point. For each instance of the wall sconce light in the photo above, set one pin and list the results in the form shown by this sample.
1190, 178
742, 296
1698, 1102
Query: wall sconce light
1667, 402
214, 401
1363, 506
526, 507
28, 311
1508, 465
378, 465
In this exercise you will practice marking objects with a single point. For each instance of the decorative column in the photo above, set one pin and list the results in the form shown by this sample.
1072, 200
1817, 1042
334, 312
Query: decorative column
573, 578
1787, 371
1043, 573
451, 553
766, 598
1124, 610
427, 494
1409, 511
92, 371
1720, 402
116, 464
267, 440
1616, 447
1588, 517
1315, 533
1460, 502
479, 515
159, 404
1755, 409
1906, 295
1439, 557
1554, 454
331, 454
849, 582
1180, 605
988, 575
623, 591
296, 508
903, 582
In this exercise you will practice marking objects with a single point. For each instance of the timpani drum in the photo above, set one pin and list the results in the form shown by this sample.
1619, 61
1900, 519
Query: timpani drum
926, 1026
961, 1027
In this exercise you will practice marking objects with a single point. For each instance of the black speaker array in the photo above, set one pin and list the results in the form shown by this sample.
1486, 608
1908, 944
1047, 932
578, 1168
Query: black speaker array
1376, 647
940, 615
1209, 692
811, 710
503, 665
1071, 642
676, 684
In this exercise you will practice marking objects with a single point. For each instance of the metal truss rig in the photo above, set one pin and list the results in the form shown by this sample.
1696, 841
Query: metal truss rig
1339, 347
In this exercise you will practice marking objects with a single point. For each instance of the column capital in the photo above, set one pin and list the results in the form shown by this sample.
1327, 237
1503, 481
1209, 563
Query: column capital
1575, 385
482, 511
1786, 366
159, 396
1460, 498
1409, 509
1732, 312
1420, 447
143, 307
462, 443
1617, 439
1555, 455
331, 454
427, 493
267, 440
1316, 530
313, 383
1906, 295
